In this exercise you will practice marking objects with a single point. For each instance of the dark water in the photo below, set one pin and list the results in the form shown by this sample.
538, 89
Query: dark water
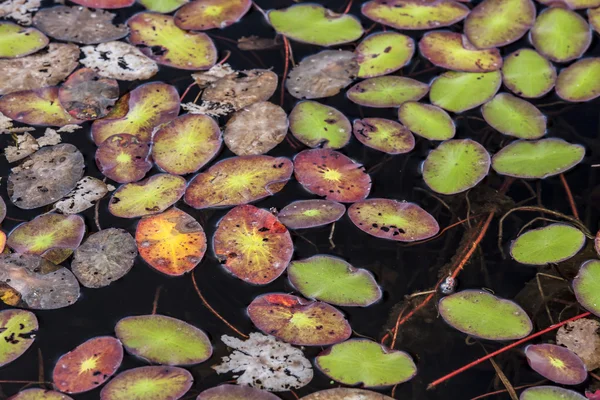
400, 270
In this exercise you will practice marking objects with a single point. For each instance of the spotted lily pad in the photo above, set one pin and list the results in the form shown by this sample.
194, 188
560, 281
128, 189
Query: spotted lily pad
556, 363
427, 121
150, 196
383, 53
551, 244
483, 315
201, 15
586, 286
40, 394
384, 135
361, 361
331, 174
528, 74
17, 41
253, 245
148, 383
36, 107
163, 340
87, 192
537, 159
387, 91
186, 144
119, 60
314, 24
304, 214
298, 321
162, 6
167, 44
237, 89
17, 333
316, 125
110, 4
415, 14
345, 394
461, 91
123, 158
235, 392
238, 180
550, 393
580, 81
513, 116
85, 95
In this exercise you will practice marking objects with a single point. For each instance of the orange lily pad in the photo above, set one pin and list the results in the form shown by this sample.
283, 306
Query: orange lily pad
40, 394
201, 15
88, 366
36, 107
415, 14
148, 383
304, 214
123, 158
384, 135
85, 95
298, 321
17, 333
387, 91
109, 4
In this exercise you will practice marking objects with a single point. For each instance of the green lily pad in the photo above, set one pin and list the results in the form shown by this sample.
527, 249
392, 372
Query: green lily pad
383, 53
550, 393
17, 333
334, 281
345, 394
315, 124
580, 81
162, 6
36, 107
572, 4
304, 214
167, 44
17, 41
105, 3
551, 244
235, 392
201, 15
556, 363
528, 74
560, 35
513, 116
586, 286
123, 158
462, 91
394, 220
496, 23
163, 340
314, 24
253, 245
537, 159
148, 383
455, 166
150, 196
40, 394
415, 14
481, 314
427, 121
238, 180
453, 51
298, 321
331, 174
387, 91
361, 361
384, 135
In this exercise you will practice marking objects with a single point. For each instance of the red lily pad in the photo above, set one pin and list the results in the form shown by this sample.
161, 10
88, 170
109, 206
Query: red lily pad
304, 214
298, 321
123, 158
331, 174
17, 41
17, 333
85, 95
415, 14
384, 135
88, 366
238, 180
201, 15
253, 245
387, 91
315, 125
235, 392
36, 107
105, 3
148, 383
39, 394
556, 363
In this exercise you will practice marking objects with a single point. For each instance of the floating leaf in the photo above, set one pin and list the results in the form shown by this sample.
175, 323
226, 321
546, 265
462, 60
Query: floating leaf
298, 321
527, 74
36, 107
550, 393
594, 18
387, 91
163, 340
304, 214
87, 192
572, 4
513, 116
314, 24
238, 180
551, 244
384, 135
383, 53
85, 95
148, 383
17, 41
105, 3
537, 159
17, 333
556, 363
253, 245
235, 392
415, 14
345, 394
39, 394
331, 174
427, 121
2, 209
201, 15
586, 286
580, 81
169, 45
481, 314
462, 91
317, 125
361, 361
162, 6
123, 158
119, 60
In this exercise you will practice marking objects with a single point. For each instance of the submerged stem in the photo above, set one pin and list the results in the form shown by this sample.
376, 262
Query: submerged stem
569, 196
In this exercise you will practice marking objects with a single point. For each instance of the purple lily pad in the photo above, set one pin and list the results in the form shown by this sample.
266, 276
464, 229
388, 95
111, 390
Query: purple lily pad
556, 363
36, 107
85, 95
304, 214
148, 383
123, 158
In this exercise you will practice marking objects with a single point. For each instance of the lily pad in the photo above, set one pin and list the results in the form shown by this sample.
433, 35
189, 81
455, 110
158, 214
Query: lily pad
2, 209
345, 394
427, 121
253, 245
150, 196
123, 158
186, 144
87, 192
462, 91
556, 363
162, 6
169, 45
551, 244
453, 51
586, 286
580, 81
17, 41
415, 14
298, 321
334, 281
238, 180
537, 159
241, 89
235, 392
314, 24
163, 340
36, 107
331, 174
455, 166
148, 383
387, 91
201, 15
383, 135
361, 361
513, 116
119, 60
394, 220
105, 3
315, 125
88, 366
383, 53
561, 35
40, 394
481, 314
528, 74
572, 4
550, 393
17, 333
87, 96
594, 18
105, 256
304, 214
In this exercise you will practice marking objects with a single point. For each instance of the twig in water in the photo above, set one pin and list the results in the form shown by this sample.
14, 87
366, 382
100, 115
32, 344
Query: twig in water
483, 396
97, 215
287, 50
462, 221
442, 202
155, 302
332, 245
509, 387
569, 196
41, 373
348, 7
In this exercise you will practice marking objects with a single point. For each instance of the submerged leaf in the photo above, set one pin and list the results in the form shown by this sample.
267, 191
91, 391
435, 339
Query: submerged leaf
148, 383
201, 15
462, 91
427, 121
415, 14
17, 41
383, 53
550, 393
123, 158
304, 214
85, 96
119, 60
317, 125
582, 338
586, 286
36, 107
513, 116
17, 333
580, 81
235, 392
551, 244
383, 135
387, 91
527, 74
556, 363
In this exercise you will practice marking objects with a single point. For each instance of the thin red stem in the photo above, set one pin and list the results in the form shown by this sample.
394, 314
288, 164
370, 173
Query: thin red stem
348, 7
186, 91
473, 246
155, 302
569, 196
287, 50
225, 58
